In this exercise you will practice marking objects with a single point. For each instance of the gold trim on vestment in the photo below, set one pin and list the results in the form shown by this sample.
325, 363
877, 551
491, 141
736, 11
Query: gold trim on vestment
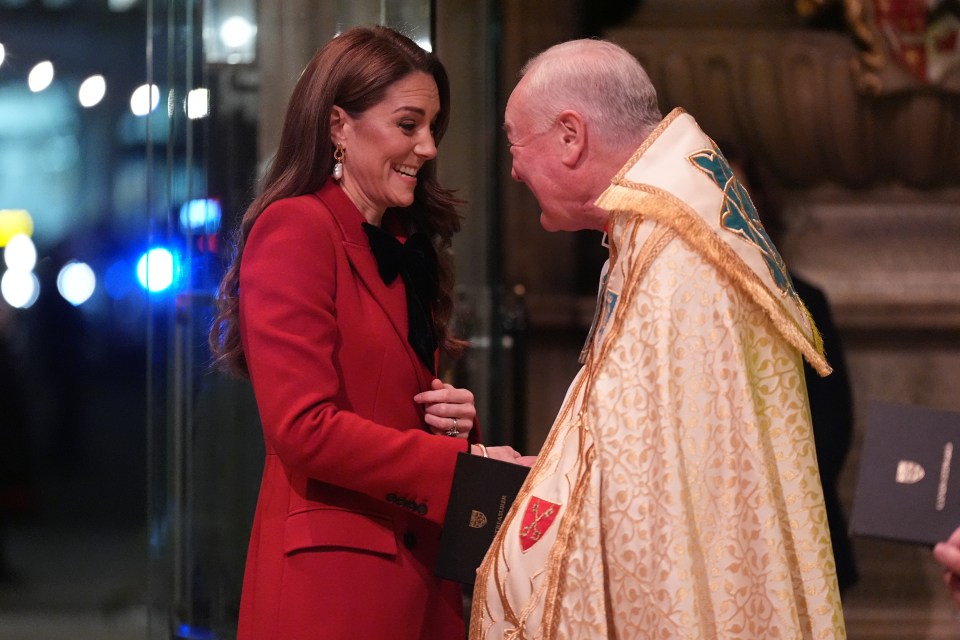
627, 196
662, 206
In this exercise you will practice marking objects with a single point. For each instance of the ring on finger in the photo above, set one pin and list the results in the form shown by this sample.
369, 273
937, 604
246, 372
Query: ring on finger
453, 432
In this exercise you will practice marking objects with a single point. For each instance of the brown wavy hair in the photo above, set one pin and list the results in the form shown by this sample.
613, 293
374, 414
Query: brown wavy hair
353, 71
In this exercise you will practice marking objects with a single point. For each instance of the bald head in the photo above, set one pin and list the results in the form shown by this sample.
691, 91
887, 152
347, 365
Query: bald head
579, 112
598, 79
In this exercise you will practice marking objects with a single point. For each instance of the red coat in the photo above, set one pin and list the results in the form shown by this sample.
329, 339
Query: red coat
354, 489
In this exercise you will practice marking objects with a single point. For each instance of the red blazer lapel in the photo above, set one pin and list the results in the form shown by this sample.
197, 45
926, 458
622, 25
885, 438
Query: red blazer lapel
357, 247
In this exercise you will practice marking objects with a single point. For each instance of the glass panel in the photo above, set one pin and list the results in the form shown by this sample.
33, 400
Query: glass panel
203, 437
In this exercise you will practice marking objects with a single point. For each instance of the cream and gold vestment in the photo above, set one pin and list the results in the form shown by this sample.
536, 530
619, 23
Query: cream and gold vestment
677, 493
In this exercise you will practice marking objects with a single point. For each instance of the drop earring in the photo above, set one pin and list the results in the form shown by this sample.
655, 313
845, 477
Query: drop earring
338, 167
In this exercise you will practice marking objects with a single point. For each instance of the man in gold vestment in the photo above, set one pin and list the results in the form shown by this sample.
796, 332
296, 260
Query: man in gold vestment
677, 493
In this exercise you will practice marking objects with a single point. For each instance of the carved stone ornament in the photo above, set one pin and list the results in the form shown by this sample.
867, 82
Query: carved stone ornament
788, 96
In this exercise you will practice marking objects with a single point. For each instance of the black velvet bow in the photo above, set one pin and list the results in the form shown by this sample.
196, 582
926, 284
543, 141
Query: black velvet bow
415, 261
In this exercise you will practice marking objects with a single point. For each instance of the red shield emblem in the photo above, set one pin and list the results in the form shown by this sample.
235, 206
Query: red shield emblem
538, 517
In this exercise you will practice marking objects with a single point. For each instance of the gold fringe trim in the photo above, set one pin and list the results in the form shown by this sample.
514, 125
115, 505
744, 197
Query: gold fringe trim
664, 207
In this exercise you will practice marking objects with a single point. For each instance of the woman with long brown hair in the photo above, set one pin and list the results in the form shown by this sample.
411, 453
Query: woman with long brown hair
336, 306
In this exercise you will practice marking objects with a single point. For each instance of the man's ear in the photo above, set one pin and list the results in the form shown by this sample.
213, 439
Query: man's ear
573, 136
338, 121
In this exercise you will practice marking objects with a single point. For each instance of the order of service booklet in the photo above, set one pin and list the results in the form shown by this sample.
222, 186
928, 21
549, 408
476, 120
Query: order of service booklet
908, 488
483, 490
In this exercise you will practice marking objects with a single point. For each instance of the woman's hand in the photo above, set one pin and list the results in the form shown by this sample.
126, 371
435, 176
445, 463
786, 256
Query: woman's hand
948, 555
450, 411
504, 453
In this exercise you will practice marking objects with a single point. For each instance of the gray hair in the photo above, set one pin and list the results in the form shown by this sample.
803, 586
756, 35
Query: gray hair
600, 80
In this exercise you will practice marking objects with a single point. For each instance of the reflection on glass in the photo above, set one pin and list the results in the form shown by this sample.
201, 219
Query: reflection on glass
145, 99
198, 104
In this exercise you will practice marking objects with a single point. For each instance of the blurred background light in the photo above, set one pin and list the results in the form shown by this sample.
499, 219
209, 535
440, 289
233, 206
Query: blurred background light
200, 216
198, 103
236, 32
231, 34
3, 53
14, 222
145, 99
40, 76
121, 5
92, 91
19, 288
119, 279
156, 270
20, 254
76, 282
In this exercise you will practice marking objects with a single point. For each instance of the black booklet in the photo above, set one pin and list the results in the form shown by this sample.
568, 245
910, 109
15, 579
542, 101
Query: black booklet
483, 490
908, 487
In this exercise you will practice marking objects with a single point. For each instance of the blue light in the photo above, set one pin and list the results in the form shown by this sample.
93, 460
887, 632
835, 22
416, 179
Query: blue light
202, 215
186, 631
157, 269
118, 281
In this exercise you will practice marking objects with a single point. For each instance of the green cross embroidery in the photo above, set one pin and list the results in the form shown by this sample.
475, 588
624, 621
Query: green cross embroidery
738, 214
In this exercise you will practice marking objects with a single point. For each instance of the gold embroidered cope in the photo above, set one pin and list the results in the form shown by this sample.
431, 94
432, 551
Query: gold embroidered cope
681, 466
